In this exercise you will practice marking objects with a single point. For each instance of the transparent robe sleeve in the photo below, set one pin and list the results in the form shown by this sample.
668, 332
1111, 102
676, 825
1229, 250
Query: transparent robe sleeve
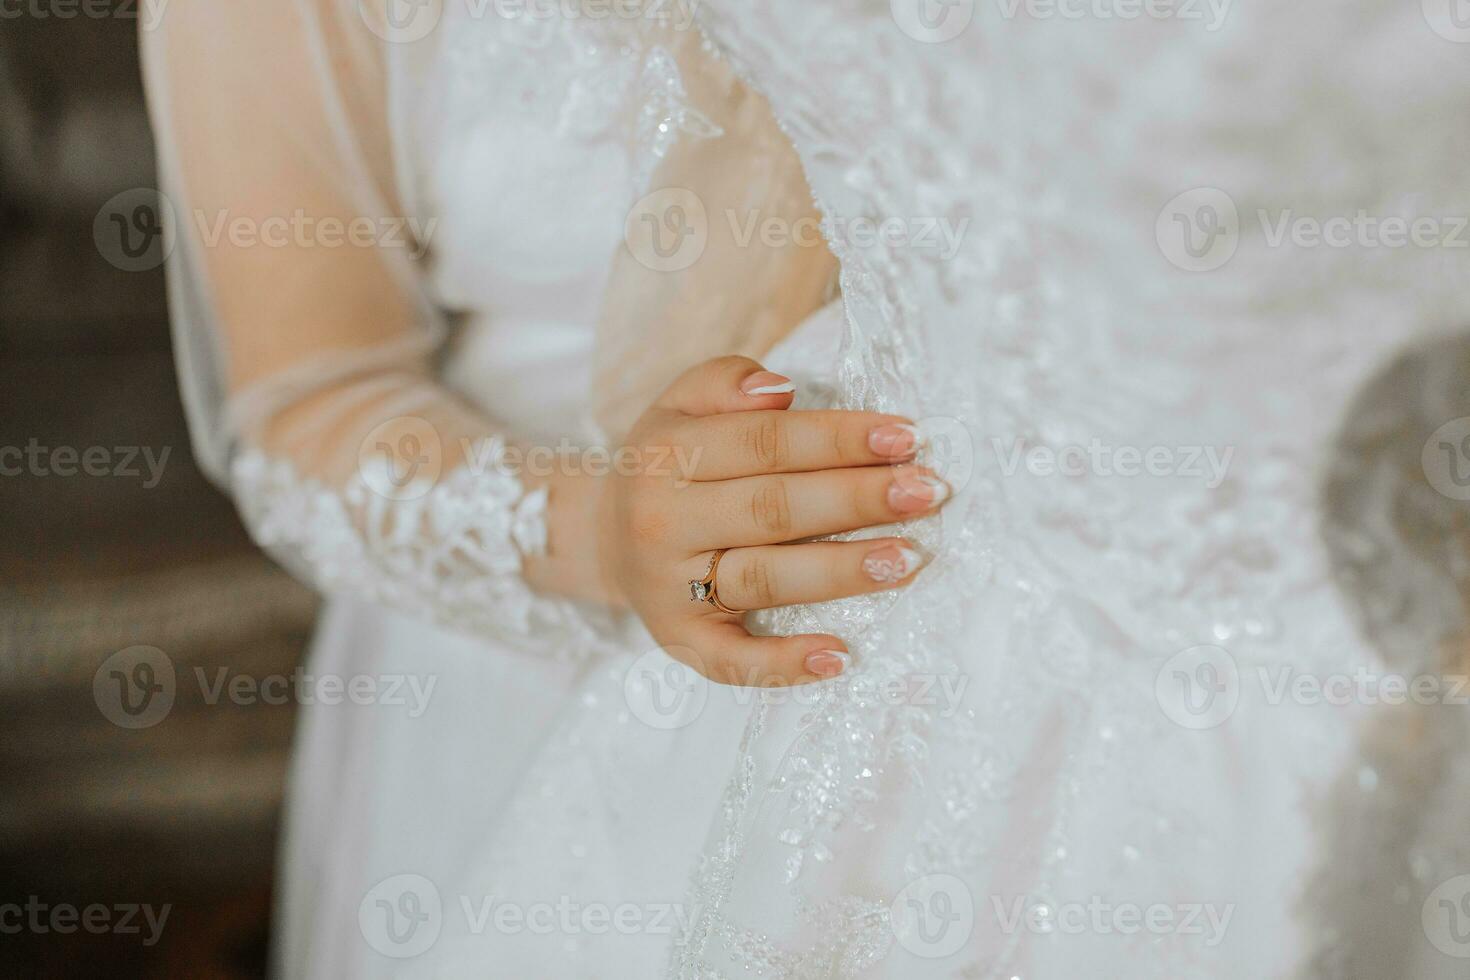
305, 336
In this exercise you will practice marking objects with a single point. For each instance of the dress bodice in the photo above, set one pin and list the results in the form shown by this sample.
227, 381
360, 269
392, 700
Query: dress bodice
527, 190
539, 130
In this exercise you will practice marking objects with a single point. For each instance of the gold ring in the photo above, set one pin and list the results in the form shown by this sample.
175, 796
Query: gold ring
704, 590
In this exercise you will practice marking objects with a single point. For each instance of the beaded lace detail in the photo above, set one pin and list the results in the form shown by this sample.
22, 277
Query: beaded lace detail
598, 74
451, 548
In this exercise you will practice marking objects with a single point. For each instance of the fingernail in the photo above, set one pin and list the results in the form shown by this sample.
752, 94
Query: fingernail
893, 440
891, 563
767, 383
911, 494
827, 663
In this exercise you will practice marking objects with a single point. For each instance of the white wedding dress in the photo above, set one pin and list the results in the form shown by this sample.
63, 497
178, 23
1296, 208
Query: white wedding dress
1084, 772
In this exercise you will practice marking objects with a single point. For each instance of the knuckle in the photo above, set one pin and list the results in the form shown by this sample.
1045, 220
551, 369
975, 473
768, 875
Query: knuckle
868, 498
648, 531
648, 522
842, 448
674, 453
732, 364
770, 508
757, 581
768, 443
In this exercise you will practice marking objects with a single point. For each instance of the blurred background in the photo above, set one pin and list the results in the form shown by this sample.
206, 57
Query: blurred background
178, 806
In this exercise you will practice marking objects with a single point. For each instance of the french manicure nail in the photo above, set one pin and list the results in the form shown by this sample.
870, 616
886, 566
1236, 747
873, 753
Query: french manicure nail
895, 439
827, 663
911, 494
767, 383
891, 563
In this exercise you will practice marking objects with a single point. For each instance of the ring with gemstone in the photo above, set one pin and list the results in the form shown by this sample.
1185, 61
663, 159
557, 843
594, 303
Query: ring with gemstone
704, 590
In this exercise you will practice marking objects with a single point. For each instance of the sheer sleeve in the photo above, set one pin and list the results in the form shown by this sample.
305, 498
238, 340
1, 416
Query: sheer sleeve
305, 335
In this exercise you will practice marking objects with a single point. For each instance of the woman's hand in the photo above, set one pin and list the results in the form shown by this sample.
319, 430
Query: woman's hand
725, 466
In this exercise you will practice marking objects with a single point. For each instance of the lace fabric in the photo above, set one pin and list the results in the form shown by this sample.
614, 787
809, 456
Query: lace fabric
448, 549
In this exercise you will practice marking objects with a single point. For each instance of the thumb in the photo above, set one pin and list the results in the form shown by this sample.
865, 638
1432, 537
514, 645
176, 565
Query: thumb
727, 384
